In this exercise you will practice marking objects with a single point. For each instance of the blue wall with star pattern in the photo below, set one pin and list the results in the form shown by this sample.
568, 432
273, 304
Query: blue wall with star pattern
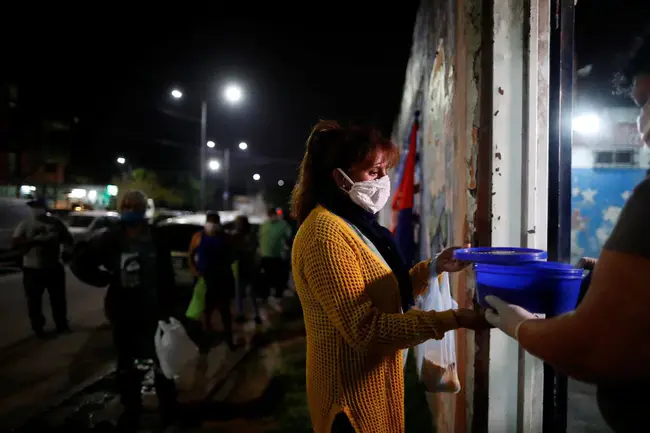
598, 195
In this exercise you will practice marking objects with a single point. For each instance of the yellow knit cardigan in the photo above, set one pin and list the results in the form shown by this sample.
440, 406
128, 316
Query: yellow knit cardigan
355, 328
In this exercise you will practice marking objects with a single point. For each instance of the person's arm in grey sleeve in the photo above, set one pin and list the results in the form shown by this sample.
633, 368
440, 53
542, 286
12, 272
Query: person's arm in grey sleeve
608, 328
88, 259
64, 234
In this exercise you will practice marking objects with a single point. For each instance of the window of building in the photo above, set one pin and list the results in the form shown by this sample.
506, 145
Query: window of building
617, 158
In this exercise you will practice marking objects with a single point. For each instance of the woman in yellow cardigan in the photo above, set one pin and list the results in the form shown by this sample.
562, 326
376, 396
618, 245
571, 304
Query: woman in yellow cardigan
356, 293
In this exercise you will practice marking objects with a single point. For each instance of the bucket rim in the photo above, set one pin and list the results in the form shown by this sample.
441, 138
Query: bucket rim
547, 269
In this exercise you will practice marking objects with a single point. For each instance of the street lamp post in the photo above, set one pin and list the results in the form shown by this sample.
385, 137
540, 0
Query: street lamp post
233, 94
204, 121
226, 192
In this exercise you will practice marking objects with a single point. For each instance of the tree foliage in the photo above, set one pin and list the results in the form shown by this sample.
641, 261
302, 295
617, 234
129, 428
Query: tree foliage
147, 181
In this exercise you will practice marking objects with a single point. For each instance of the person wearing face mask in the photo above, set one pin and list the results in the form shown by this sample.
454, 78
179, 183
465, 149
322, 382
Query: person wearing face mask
211, 255
134, 261
356, 292
274, 236
606, 340
40, 238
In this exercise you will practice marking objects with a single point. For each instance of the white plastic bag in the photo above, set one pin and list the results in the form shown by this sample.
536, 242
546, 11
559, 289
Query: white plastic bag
436, 359
173, 347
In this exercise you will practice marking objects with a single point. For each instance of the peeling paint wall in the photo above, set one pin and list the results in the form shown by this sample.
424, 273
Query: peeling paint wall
442, 81
479, 75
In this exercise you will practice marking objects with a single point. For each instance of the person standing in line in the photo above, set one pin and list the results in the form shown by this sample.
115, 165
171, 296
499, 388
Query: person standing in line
245, 243
211, 255
40, 238
275, 233
134, 261
356, 292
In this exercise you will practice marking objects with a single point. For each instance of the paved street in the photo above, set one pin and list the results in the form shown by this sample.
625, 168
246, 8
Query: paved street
36, 373
85, 308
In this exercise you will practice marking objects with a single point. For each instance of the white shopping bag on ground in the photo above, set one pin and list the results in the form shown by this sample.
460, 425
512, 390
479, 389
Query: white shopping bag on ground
436, 359
174, 347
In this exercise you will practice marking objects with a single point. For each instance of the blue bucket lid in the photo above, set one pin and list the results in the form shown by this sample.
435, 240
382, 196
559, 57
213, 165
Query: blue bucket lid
500, 255
555, 269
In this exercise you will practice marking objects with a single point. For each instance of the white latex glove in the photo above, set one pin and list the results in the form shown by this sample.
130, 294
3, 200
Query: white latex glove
506, 317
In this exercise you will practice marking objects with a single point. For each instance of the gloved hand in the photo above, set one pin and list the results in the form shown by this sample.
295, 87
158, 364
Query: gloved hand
507, 317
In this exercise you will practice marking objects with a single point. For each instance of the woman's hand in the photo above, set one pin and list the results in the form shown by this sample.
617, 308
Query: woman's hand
472, 319
446, 262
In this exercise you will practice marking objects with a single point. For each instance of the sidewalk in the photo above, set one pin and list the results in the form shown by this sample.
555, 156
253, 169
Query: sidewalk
36, 374
98, 407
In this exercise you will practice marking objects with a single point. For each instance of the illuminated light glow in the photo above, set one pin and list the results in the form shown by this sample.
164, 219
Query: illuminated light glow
587, 124
214, 165
78, 193
211, 144
177, 94
112, 190
233, 93
243, 145
256, 176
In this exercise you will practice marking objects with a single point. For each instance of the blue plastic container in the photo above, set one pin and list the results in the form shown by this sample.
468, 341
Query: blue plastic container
500, 255
540, 287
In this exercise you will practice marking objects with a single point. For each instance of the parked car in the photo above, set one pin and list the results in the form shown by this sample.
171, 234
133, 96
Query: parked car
178, 232
165, 214
12, 212
83, 224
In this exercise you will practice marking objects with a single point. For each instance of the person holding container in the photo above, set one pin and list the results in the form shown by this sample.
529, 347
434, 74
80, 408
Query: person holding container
356, 292
606, 340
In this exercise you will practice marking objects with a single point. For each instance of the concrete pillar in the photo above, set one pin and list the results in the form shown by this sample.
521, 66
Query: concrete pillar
519, 144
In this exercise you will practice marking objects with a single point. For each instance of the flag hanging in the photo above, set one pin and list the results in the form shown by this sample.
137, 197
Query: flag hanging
403, 201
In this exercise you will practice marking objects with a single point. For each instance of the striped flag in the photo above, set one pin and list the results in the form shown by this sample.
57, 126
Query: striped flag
403, 202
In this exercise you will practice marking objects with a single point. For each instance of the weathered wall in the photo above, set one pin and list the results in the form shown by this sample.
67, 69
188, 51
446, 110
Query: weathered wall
442, 82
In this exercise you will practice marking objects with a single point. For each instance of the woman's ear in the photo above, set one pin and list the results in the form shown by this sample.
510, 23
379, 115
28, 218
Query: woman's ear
340, 180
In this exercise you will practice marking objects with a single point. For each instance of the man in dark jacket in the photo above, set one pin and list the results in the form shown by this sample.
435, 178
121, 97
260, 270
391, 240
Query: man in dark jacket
39, 238
138, 271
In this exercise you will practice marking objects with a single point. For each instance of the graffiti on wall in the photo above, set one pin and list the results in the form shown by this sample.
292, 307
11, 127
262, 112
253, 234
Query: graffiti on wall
438, 143
598, 195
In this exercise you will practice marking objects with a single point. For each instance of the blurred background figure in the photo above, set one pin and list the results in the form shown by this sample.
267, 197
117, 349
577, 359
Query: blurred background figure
136, 266
274, 237
245, 243
211, 255
39, 237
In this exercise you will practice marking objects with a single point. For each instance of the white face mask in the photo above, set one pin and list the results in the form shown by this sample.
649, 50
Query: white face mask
643, 123
211, 227
371, 195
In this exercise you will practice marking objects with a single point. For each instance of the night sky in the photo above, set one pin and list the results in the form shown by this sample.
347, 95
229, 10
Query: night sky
114, 71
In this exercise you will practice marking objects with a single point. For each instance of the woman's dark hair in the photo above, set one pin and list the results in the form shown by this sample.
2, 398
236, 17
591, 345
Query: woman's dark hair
331, 146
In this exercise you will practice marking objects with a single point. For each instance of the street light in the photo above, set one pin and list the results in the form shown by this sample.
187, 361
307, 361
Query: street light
587, 124
256, 176
214, 165
280, 182
233, 93
121, 160
243, 145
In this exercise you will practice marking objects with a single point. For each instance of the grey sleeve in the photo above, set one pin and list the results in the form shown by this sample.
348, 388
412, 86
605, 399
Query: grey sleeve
20, 230
631, 234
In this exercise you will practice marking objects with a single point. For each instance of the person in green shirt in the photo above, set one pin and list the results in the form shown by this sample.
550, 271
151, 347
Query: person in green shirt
274, 237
